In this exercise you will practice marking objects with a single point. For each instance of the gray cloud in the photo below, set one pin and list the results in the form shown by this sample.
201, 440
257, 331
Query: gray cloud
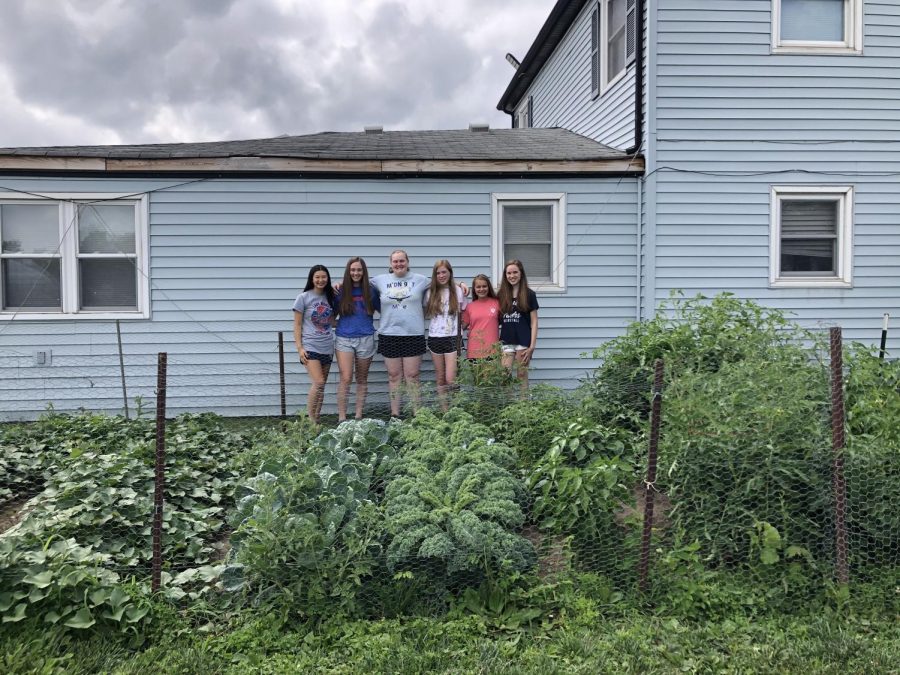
207, 69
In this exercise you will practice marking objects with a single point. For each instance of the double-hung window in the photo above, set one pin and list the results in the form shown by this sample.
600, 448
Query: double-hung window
81, 256
531, 228
613, 35
811, 236
817, 26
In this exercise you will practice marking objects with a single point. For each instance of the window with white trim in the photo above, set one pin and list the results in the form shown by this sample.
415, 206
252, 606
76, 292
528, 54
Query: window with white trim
613, 35
817, 26
525, 115
531, 228
73, 256
811, 236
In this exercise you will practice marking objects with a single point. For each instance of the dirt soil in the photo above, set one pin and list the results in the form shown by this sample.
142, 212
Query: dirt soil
11, 513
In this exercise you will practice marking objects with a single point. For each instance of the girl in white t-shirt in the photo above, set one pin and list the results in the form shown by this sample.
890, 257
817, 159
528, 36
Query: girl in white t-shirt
444, 302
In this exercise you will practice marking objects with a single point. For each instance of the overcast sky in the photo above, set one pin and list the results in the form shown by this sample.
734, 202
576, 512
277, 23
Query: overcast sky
77, 72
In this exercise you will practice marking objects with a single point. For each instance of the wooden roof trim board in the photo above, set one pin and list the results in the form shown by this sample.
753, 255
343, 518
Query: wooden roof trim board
627, 165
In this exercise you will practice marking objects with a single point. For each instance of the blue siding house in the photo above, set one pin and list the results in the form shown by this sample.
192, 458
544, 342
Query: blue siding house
770, 130
198, 250
748, 146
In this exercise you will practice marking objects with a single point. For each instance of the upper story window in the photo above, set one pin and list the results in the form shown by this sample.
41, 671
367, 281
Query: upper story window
525, 115
613, 31
817, 26
811, 236
81, 256
531, 227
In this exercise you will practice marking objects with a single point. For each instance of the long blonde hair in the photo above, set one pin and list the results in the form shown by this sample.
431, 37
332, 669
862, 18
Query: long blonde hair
505, 292
433, 308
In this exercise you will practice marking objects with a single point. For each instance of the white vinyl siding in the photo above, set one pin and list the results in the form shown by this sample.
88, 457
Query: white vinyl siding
569, 90
731, 120
228, 257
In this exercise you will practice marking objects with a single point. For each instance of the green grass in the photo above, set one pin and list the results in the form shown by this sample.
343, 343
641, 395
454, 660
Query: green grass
632, 642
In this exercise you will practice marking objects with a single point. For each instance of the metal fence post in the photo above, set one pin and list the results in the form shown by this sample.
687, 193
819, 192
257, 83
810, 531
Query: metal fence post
122, 368
281, 374
160, 474
649, 484
839, 485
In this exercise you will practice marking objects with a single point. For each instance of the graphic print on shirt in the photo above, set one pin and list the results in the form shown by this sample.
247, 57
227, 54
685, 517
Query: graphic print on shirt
320, 317
513, 316
398, 292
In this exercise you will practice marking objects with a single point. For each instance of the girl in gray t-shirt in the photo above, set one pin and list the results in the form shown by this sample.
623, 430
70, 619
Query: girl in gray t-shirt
313, 334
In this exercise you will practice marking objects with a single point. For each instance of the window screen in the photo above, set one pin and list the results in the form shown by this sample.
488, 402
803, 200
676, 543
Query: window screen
809, 237
528, 236
29, 256
812, 20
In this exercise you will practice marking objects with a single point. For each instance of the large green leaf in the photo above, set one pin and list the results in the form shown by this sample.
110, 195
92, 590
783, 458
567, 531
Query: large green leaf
81, 619
41, 579
17, 614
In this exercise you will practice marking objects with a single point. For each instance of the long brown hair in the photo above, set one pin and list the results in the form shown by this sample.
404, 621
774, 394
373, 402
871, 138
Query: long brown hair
347, 307
433, 308
485, 279
505, 292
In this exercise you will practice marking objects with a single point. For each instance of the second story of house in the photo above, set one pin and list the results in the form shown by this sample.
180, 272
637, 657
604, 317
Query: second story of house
720, 71
579, 73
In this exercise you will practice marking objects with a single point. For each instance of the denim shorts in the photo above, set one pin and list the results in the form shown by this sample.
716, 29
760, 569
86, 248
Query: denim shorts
363, 347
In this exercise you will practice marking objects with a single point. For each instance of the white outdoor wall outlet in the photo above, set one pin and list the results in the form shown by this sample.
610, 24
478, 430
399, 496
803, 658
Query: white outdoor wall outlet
42, 357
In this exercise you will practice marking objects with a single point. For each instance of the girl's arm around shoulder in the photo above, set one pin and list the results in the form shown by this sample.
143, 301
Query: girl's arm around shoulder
462, 297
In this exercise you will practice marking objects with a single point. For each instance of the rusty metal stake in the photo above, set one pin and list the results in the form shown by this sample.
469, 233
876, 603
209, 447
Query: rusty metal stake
649, 485
839, 485
281, 374
160, 474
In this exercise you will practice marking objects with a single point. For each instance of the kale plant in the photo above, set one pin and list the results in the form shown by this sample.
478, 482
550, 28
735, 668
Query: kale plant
453, 504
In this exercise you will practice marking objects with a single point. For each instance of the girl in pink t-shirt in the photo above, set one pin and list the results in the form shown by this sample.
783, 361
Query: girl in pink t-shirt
482, 318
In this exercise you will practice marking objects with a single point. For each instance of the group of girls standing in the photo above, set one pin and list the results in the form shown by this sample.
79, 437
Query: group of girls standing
337, 321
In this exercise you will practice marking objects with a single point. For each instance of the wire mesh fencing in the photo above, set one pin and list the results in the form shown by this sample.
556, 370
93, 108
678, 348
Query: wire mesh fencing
488, 498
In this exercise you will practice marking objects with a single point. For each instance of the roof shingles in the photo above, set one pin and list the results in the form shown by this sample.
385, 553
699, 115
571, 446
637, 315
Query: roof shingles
463, 145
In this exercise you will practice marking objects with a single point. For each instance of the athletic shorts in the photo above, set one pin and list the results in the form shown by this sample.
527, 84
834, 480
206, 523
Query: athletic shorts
401, 346
442, 345
512, 349
363, 346
324, 359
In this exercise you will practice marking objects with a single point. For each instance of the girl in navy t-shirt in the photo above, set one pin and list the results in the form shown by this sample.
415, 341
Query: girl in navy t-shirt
518, 320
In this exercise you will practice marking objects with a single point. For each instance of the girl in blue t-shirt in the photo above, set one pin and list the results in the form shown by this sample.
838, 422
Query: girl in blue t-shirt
518, 320
354, 344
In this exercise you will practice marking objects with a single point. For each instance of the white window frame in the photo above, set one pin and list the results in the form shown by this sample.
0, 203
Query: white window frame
558, 246
68, 252
522, 116
843, 195
600, 40
851, 44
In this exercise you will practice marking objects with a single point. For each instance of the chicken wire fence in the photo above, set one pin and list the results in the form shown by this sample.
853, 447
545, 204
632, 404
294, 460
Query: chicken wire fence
635, 482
